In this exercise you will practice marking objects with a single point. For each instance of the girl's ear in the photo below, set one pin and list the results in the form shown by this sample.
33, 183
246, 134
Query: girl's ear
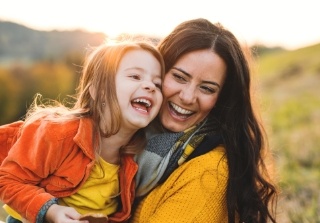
92, 92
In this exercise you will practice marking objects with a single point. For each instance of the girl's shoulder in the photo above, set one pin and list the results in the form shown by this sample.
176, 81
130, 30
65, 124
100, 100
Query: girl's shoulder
52, 128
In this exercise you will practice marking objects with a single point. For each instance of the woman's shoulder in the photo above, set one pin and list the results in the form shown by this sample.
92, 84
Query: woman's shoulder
210, 169
213, 161
214, 156
218, 153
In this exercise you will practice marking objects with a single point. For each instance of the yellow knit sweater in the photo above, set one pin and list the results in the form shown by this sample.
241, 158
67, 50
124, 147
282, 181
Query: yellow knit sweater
195, 192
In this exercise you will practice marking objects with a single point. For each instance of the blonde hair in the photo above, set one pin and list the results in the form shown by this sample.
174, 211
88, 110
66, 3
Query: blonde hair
98, 72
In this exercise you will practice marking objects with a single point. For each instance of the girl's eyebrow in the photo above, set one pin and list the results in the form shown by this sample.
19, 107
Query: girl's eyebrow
134, 68
190, 76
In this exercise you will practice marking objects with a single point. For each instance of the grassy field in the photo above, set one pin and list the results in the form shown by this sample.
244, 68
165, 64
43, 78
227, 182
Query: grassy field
288, 91
290, 96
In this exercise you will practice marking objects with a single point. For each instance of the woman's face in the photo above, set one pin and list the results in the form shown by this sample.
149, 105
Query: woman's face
191, 88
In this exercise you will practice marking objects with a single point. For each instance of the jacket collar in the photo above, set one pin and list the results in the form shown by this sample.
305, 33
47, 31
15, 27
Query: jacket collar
84, 137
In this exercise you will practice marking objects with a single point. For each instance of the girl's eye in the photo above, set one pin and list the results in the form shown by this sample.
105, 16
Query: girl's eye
158, 85
135, 76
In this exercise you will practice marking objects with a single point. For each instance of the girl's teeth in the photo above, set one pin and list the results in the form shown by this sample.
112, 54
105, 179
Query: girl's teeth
147, 102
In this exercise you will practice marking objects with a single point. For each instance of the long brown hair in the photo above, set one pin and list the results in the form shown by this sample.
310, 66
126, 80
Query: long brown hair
250, 190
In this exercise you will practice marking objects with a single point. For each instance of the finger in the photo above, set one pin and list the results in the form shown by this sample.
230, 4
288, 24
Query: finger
73, 214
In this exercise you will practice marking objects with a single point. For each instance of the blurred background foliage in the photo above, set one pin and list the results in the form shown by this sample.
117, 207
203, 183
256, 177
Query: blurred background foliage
290, 97
288, 90
20, 83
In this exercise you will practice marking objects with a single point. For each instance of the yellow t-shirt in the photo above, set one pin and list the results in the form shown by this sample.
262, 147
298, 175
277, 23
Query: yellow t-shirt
98, 194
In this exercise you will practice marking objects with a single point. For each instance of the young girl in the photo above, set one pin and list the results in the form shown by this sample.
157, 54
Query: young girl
64, 163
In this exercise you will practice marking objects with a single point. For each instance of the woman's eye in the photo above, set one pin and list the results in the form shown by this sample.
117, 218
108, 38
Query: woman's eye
178, 77
208, 90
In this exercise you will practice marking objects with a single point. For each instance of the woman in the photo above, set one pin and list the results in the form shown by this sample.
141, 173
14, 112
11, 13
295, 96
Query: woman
76, 165
206, 156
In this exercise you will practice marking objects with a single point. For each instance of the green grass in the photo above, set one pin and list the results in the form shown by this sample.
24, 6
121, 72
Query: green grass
290, 94
304, 60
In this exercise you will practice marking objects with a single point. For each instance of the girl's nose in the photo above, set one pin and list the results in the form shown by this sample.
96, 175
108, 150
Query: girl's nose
149, 86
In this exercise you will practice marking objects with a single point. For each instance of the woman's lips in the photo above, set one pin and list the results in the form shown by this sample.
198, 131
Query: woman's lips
179, 112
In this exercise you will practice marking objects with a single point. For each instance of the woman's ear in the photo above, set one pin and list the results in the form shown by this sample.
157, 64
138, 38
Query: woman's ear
92, 92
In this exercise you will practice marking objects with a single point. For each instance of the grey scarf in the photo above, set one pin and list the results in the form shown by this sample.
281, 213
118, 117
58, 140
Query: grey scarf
165, 151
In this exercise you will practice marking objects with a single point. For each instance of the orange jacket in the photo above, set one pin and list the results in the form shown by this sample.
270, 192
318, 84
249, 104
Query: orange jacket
48, 160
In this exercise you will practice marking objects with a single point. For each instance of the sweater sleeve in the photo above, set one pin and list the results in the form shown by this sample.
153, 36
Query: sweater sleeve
195, 192
29, 162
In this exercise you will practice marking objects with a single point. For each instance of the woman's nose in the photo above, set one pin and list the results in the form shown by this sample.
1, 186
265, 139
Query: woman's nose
188, 95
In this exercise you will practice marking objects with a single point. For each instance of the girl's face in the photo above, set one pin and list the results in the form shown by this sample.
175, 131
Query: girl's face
191, 88
138, 84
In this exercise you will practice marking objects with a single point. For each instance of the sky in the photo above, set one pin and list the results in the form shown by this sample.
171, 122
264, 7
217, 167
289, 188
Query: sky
289, 24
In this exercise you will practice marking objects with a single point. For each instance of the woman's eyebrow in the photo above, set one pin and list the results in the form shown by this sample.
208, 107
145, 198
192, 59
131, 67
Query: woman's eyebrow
182, 71
212, 82
189, 75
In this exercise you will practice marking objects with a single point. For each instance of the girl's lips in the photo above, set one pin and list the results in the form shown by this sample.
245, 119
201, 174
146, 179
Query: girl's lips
142, 104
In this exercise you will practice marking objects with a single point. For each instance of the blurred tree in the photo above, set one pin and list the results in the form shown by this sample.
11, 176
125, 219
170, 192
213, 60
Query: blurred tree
19, 84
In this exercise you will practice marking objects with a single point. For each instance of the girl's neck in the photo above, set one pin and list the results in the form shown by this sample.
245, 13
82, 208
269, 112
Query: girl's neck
111, 146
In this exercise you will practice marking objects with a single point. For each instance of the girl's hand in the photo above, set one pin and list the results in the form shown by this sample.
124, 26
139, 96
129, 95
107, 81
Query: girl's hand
62, 214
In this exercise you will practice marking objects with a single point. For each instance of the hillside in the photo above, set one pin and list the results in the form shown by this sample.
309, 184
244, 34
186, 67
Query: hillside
286, 84
20, 43
289, 92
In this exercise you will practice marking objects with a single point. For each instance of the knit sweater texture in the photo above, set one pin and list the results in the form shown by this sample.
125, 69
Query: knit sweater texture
195, 192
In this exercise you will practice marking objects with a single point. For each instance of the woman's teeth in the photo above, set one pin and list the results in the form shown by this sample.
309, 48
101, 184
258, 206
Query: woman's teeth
180, 110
